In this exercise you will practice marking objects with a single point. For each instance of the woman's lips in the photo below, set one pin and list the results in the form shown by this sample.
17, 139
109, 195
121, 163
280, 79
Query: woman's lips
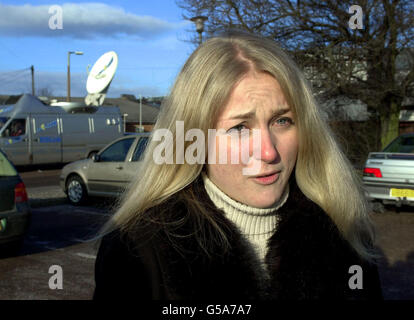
269, 179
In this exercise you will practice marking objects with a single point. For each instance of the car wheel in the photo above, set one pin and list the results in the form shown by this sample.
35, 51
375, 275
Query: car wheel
12, 248
378, 207
76, 190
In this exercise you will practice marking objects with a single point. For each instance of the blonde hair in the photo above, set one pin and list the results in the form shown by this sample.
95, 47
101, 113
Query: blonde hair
201, 90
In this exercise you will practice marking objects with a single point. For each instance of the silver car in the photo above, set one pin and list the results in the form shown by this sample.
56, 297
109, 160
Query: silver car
389, 175
107, 173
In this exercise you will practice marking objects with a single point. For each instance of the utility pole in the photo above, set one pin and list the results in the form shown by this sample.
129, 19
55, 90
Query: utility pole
68, 73
68, 79
124, 116
140, 113
33, 85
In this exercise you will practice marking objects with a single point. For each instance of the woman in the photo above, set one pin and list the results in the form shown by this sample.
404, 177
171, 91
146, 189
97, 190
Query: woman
296, 226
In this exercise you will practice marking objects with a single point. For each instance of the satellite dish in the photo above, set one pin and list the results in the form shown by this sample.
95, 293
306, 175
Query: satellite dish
100, 78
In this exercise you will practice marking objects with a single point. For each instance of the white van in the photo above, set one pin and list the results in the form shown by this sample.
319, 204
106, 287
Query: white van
34, 133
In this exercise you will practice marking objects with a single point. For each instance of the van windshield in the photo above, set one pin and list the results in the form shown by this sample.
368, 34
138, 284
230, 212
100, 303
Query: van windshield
16, 127
3, 121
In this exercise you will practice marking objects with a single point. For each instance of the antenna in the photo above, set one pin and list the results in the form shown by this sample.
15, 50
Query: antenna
100, 77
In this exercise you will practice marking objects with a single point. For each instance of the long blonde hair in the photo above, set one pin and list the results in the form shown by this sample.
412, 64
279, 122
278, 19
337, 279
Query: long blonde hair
201, 90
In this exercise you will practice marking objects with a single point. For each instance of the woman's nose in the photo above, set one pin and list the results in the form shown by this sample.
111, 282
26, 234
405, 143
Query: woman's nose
268, 151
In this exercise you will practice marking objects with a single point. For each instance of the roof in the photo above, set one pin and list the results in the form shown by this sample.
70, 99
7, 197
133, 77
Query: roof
30, 104
149, 113
9, 99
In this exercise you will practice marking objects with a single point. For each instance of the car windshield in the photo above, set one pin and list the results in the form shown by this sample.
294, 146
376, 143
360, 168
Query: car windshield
6, 168
403, 144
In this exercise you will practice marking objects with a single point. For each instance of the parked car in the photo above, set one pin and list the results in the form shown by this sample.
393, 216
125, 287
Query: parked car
107, 173
15, 211
389, 175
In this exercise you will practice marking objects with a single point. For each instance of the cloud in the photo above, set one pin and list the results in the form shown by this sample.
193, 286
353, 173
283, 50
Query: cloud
81, 21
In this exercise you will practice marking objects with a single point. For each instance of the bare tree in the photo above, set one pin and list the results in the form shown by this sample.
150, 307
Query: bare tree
339, 60
44, 92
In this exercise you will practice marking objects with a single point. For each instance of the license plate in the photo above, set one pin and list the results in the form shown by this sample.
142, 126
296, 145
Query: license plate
401, 193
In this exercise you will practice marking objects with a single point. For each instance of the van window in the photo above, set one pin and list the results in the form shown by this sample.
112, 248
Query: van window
16, 127
6, 168
3, 121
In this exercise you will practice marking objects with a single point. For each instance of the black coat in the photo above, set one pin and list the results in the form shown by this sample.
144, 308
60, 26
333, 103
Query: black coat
307, 258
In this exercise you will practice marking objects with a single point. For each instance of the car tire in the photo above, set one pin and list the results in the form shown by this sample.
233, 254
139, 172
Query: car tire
378, 207
12, 248
76, 191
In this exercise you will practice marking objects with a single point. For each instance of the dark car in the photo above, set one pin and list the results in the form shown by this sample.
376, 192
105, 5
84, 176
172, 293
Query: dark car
15, 211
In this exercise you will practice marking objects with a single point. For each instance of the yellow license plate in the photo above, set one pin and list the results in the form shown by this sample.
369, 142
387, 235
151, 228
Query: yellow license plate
408, 193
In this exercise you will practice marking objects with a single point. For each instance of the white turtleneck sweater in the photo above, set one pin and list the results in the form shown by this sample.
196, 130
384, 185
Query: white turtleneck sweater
256, 224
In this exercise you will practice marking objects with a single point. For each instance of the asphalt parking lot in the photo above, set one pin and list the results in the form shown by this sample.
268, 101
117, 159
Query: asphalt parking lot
59, 233
26, 276
395, 239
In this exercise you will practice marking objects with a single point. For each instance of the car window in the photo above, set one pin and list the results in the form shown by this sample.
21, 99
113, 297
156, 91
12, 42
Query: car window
116, 152
16, 127
401, 145
139, 149
6, 168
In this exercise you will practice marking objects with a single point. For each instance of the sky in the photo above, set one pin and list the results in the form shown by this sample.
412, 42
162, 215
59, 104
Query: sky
150, 38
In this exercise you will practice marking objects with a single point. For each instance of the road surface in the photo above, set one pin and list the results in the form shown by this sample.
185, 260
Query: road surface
58, 233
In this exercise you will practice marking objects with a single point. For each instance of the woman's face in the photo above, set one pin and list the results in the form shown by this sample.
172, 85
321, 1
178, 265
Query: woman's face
256, 102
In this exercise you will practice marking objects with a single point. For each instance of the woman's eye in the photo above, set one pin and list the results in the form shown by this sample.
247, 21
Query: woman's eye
237, 128
284, 121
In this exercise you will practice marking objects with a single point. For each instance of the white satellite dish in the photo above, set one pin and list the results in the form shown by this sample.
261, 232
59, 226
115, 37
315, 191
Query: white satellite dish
100, 78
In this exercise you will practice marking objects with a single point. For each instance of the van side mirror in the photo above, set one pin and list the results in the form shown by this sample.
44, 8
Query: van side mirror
96, 157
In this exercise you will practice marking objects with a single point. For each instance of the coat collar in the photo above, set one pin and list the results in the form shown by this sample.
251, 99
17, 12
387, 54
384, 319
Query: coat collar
304, 252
